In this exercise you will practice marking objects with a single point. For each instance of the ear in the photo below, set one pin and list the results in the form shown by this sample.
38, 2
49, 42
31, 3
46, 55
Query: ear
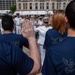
66, 19
67, 23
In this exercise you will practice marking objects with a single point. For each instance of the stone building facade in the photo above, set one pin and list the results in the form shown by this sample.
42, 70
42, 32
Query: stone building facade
41, 4
5, 4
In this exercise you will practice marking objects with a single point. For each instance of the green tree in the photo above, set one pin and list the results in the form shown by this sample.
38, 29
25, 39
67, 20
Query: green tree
13, 8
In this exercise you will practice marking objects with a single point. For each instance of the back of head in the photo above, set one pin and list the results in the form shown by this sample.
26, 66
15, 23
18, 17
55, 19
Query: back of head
17, 14
58, 21
46, 20
70, 14
7, 22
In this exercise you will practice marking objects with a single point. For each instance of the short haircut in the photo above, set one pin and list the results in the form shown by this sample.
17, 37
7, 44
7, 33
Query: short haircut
7, 22
70, 14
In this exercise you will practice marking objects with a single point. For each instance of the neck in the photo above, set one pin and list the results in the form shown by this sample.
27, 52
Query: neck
7, 32
71, 32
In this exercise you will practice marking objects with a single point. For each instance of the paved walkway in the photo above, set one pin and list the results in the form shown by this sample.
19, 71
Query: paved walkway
27, 52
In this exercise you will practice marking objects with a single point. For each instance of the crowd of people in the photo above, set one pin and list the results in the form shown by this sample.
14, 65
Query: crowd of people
51, 41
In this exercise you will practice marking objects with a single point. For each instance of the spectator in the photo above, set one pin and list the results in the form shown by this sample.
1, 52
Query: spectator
60, 58
12, 58
1, 29
9, 36
40, 21
58, 33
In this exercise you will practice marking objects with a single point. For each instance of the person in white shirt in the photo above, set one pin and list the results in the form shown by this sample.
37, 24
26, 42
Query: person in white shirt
1, 29
41, 38
18, 21
32, 20
40, 22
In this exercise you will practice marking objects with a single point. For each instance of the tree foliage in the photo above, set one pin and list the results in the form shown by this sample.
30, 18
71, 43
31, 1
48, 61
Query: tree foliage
13, 8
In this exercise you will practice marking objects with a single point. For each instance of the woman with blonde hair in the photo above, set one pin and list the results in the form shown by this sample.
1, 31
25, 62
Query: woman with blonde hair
59, 31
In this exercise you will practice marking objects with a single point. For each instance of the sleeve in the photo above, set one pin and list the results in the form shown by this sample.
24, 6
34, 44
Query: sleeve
47, 41
25, 41
36, 29
48, 66
21, 62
